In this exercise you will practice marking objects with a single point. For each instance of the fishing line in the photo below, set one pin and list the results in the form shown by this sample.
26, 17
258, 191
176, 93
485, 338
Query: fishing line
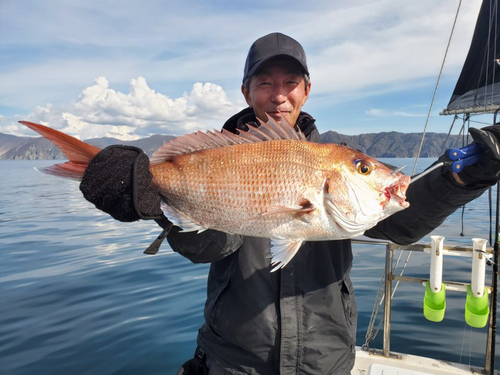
470, 346
467, 334
463, 342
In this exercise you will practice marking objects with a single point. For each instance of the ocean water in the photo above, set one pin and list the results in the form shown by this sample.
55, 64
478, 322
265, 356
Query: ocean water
79, 297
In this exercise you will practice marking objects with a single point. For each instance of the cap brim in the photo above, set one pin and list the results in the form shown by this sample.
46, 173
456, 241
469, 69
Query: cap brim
259, 63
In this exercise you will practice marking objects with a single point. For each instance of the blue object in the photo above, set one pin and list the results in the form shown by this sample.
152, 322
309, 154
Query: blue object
461, 157
464, 152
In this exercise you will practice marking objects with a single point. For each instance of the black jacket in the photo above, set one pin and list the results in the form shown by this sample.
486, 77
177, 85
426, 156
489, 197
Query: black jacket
302, 318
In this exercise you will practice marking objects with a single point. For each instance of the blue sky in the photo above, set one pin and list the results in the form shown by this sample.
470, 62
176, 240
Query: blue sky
129, 69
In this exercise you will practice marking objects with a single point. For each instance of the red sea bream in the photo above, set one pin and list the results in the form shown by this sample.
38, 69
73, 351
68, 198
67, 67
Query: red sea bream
266, 182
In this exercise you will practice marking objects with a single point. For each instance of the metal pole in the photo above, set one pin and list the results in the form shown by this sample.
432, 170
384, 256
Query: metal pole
489, 362
387, 301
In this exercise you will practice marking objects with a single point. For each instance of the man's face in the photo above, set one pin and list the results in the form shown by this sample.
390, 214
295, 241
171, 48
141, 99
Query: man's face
278, 89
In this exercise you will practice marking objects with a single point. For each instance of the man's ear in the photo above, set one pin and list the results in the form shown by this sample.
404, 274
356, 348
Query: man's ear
246, 94
308, 90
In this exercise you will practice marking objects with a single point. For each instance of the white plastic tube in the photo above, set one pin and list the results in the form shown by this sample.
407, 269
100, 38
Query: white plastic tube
478, 267
436, 273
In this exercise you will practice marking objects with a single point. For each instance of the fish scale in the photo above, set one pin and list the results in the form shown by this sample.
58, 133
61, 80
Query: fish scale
226, 188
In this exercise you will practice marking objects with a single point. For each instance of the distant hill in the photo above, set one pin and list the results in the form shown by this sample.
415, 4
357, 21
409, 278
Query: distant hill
379, 145
25, 148
393, 144
8, 142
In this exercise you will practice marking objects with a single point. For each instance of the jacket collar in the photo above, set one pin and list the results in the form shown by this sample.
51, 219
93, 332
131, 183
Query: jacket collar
305, 122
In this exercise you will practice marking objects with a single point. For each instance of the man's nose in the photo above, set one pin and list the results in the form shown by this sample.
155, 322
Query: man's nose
279, 94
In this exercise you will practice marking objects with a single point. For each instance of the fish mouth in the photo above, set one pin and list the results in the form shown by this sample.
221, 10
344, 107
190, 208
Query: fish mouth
396, 192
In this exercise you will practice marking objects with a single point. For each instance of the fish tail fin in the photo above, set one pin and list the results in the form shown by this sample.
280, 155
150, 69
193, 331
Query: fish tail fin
79, 153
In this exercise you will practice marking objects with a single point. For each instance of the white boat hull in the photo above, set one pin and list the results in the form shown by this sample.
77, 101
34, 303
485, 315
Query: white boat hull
373, 363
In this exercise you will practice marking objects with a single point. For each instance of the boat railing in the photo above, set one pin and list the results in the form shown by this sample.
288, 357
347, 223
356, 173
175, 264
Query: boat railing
390, 277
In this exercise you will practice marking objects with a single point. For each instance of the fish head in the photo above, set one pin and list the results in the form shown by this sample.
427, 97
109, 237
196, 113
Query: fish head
363, 191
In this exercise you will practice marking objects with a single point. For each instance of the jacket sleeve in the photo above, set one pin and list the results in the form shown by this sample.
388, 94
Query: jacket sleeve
314, 136
204, 247
432, 199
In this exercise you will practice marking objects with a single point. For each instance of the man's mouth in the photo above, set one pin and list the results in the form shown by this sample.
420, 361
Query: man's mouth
278, 114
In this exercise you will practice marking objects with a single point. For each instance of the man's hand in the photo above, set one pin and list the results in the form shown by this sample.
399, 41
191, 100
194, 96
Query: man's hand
487, 170
118, 182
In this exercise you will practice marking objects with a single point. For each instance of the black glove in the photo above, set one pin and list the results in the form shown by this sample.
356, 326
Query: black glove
487, 170
118, 182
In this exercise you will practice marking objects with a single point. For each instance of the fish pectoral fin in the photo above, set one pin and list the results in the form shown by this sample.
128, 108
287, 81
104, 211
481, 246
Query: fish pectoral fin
181, 220
282, 252
305, 206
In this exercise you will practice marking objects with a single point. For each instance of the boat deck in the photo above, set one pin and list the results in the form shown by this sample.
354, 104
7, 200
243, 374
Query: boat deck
373, 363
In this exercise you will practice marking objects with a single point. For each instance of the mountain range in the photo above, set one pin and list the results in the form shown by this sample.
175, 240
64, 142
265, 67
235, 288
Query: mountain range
378, 145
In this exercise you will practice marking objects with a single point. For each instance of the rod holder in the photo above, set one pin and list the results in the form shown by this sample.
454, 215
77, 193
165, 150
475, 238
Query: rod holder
478, 266
435, 290
436, 273
477, 303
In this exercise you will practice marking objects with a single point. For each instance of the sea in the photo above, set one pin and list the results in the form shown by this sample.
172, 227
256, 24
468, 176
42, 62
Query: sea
78, 296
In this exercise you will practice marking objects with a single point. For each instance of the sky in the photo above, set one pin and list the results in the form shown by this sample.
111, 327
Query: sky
129, 69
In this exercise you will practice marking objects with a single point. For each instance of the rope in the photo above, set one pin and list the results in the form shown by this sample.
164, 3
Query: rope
449, 132
437, 85
428, 118
371, 333
494, 54
491, 22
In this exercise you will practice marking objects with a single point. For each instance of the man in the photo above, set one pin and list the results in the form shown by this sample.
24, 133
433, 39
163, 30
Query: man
302, 318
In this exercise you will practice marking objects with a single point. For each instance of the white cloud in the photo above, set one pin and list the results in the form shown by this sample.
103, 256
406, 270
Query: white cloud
378, 112
102, 111
357, 49
386, 46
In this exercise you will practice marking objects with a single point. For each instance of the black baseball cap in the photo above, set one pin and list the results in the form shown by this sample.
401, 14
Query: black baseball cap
273, 45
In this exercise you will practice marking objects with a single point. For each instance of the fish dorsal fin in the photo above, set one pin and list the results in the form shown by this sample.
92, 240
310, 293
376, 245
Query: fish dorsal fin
189, 143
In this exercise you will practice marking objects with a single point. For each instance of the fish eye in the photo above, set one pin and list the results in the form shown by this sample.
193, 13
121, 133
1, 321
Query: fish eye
364, 168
